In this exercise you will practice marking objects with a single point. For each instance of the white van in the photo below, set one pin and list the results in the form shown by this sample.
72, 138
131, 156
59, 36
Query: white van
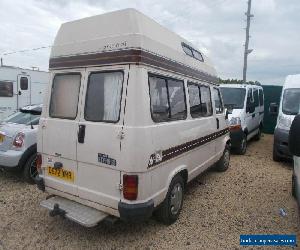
245, 104
20, 87
288, 108
133, 114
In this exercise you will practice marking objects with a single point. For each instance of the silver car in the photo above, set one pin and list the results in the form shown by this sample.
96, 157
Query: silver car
18, 145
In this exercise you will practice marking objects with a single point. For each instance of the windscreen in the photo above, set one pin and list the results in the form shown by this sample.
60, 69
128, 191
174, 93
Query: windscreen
233, 97
291, 101
23, 118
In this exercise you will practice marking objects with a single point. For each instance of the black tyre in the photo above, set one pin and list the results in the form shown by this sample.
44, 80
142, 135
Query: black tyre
293, 186
276, 157
29, 170
258, 135
223, 164
241, 150
168, 212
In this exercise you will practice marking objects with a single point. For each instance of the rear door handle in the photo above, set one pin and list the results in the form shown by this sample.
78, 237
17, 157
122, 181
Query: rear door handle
81, 133
218, 123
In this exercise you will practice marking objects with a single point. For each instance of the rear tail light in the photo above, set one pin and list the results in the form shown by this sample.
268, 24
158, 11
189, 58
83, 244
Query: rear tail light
130, 187
39, 162
19, 140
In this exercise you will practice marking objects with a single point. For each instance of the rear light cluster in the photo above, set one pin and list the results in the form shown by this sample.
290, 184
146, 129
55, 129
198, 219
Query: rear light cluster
39, 162
130, 187
19, 140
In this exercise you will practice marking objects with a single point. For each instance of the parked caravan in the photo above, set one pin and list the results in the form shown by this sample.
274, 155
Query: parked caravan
20, 87
245, 104
133, 113
288, 109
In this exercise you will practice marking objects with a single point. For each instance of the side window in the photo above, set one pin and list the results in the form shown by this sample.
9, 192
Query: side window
206, 101
218, 101
64, 96
24, 83
187, 50
103, 97
256, 98
167, 99
198, 55
250, 96
195, 103
261, 97
6, 89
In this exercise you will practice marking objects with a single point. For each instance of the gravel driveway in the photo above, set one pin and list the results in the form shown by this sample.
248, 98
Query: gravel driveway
218, 207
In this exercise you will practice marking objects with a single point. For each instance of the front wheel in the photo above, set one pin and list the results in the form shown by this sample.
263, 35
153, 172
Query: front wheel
168, 212
241, 150
30, 171
258, 135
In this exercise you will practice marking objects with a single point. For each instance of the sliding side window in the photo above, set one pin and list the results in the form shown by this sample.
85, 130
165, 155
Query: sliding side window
167, 99
64, 96
103, 97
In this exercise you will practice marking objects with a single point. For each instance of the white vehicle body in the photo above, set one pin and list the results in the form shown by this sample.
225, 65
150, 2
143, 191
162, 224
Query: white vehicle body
133, 53
288, 108
20, 87
243, 121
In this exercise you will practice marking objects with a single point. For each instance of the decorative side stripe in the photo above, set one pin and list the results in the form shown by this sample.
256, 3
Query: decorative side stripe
185, 147
136, 56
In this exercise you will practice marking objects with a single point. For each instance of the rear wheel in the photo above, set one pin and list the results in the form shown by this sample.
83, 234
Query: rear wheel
241, 150
30, 171
223, 164
168, 212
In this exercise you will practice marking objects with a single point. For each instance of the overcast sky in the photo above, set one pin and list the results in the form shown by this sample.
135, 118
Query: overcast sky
216, 27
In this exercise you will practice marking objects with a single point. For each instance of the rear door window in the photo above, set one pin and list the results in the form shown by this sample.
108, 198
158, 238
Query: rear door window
24, 83
64, 96
103, 97
6, 89
256, 98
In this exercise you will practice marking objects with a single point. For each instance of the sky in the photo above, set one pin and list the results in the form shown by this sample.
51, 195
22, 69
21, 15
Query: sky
215, 27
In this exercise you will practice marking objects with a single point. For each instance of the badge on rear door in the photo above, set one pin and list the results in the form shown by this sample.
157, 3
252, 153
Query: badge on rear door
103, 158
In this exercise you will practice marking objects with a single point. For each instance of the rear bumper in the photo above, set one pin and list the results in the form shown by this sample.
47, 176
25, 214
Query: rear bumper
10, 158
136, 212
236, 137
281, 146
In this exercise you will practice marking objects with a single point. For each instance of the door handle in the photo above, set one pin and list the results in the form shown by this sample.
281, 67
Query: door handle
218, 123
253, 115
81, 133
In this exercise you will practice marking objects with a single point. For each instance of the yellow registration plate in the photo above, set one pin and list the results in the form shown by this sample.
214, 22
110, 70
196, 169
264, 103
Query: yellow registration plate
61, 173
2, 138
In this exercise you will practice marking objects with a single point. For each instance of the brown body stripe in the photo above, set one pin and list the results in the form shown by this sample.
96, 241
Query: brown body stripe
185, 147
136, 56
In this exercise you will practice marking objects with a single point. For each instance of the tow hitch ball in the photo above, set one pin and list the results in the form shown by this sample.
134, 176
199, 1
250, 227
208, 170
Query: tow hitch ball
57, 211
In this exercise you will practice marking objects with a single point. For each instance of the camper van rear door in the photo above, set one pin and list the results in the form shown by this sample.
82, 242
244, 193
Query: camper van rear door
60, 131
102, 115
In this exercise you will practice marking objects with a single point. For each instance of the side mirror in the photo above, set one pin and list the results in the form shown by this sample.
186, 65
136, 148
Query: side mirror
227, 112
294, 137
273, 109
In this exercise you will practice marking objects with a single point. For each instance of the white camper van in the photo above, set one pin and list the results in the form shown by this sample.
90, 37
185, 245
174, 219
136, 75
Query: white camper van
20, 87
132, 115
288, 109
246, 107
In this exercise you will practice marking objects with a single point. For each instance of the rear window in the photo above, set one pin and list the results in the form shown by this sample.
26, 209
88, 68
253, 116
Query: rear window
6, 89
64, 96
103, 97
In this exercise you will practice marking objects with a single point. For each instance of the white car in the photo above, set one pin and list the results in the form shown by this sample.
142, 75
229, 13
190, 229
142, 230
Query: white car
245, 104
294, 148
18, 141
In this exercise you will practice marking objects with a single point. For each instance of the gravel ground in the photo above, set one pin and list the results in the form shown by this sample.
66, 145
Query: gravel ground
218, 207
